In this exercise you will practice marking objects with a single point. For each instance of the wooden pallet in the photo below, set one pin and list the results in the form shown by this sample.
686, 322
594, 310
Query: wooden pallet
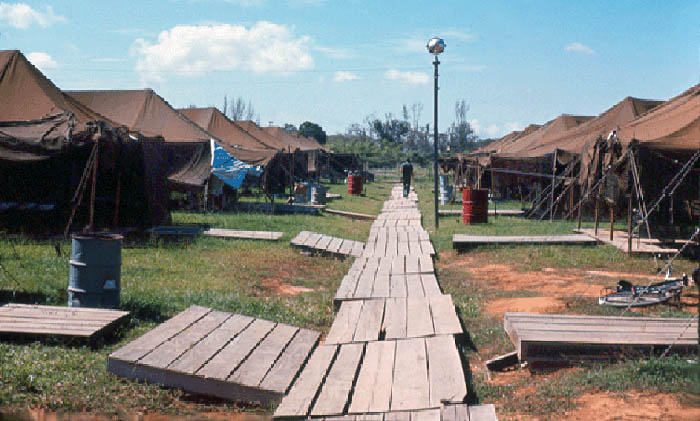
560, 338
401, 214
464, 240
220, 354
494, 212
68, 322
641, 246
385, 376
249, 235
394, 318
450, 412
325, 244
397, 223
386, 286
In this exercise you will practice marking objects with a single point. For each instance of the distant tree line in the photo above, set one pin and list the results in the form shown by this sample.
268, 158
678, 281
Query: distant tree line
386, 142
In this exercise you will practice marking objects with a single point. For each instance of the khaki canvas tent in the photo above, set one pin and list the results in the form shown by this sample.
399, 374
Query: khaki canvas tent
187, 147
242, 145
661, 147
46, 139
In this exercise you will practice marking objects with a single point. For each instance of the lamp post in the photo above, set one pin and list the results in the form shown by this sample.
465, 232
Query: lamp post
436, 46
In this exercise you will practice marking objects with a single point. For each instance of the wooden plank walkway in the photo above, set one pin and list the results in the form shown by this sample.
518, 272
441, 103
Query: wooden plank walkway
641, 246
353, 215
325, 244
552, 337
390, 353
248, 235
464, 240
220, 354
73, 322
394, 318
450, 412
389, 376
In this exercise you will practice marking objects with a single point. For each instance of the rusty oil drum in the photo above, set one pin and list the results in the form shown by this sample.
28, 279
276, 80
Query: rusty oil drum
475, 206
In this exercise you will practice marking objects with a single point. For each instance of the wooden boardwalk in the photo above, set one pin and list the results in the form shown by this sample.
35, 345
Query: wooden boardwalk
391, 352
556, 338
464, 240
389, 376
218, 354
69, 322
639, 246
325, 244
394, 318
248, 235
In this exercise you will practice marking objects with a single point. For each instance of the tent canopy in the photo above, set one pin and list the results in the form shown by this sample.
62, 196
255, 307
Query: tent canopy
237, 142
187, 146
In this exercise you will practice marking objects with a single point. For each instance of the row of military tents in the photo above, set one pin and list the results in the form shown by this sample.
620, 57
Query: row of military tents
141, 149
644, 148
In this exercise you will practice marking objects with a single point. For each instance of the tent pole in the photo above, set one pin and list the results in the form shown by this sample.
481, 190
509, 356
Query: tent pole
94, 188
597, 209
612, 220
571, 200
551, 194
115, 221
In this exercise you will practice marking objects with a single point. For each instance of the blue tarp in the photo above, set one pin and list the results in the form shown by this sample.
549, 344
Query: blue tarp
229, 169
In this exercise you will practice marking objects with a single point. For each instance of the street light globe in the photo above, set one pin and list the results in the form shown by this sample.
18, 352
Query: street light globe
436, 45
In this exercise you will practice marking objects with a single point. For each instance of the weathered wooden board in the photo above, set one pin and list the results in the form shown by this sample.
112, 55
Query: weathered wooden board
560, 337
639, 246
249, 235
324, 244
220, 354
464, 240
78, 322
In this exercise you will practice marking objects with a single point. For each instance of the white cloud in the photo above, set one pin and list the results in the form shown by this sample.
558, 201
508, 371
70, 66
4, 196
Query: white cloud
459, 35
409, 78
196, 50
241, 3
336, 53
22, 16
108, 60
42, 61
577, 47
343, 76
493, 130
302, 3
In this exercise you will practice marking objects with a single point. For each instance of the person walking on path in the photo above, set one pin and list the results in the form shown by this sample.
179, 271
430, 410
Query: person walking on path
406, 174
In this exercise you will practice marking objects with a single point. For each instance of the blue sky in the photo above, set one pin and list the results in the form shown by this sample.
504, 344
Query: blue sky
336, 62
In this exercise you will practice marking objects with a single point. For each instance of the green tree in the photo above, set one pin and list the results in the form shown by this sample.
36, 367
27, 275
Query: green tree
309, 129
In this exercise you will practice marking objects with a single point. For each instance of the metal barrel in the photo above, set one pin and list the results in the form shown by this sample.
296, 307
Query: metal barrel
475, 206
443, 180
318, 194
95, 270
445, 194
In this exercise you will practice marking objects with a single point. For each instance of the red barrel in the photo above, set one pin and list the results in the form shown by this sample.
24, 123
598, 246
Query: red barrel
475, 206
354, 184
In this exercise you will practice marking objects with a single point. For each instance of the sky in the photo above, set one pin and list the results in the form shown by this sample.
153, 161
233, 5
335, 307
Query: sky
337, 62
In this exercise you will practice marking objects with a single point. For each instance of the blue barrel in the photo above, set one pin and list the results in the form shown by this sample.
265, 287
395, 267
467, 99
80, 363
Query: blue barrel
318, 194
95, 271
443, 180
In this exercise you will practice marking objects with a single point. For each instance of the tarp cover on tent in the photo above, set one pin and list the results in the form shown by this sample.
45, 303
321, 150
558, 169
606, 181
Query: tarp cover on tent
230, 170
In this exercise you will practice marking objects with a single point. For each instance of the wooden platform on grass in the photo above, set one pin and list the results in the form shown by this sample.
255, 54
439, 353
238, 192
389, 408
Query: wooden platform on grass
218, 354
353, 215
641, 246
450, 412
465, 240
552, 337
377, 377
332, 196
325, 244
248, 235
68, 322
394, 318
277, 208
492, 212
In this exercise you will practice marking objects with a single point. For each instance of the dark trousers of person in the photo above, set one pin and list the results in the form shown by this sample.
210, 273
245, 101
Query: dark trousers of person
406, 187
